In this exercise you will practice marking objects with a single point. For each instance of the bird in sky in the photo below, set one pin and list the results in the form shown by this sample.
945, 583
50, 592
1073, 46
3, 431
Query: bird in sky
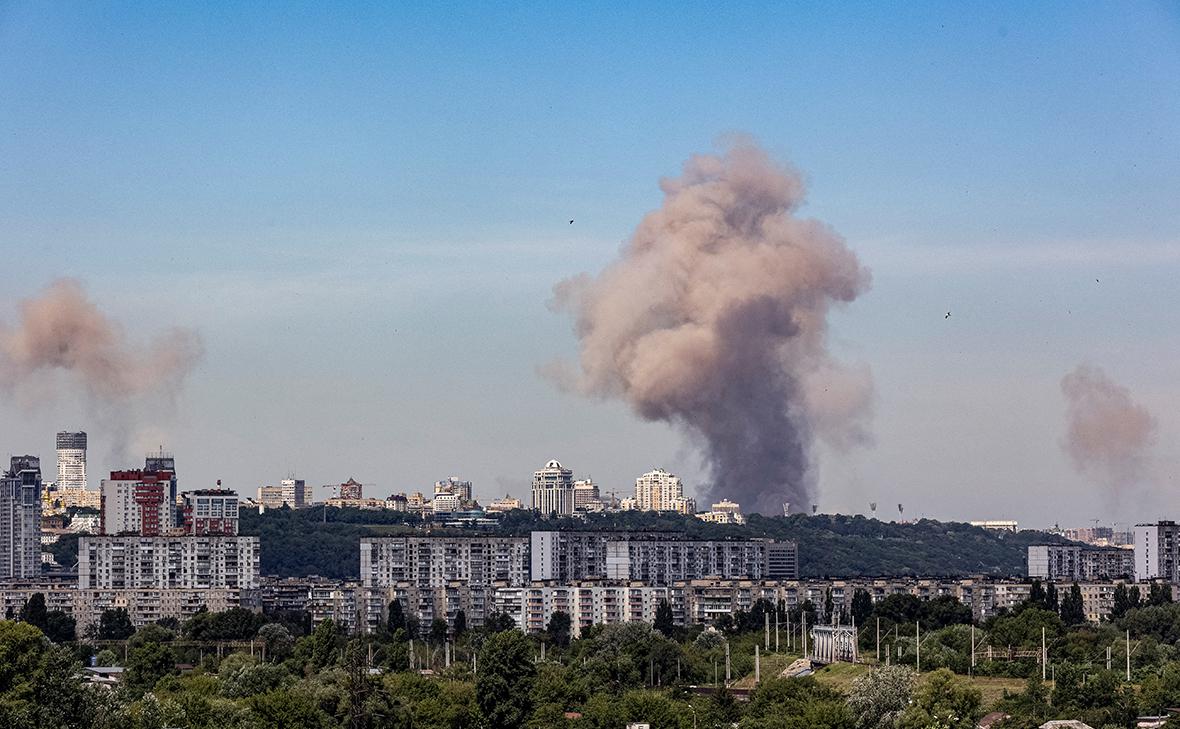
571, 221
948, 315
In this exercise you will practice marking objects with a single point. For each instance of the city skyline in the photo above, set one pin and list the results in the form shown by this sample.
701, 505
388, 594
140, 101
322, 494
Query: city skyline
368, 264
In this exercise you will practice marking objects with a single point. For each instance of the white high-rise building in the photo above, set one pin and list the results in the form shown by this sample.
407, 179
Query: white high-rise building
20, 519
1157, 551
71, 460
553, 490
659, 490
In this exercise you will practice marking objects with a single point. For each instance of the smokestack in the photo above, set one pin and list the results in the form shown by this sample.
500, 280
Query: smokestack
714, 319
1108, 435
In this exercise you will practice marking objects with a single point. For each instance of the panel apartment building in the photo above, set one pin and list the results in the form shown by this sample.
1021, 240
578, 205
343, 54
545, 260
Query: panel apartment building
435, 577
133, 562
1077, 562
656, 559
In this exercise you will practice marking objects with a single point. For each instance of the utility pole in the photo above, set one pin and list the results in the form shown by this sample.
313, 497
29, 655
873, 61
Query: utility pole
776, 630
1108, 658
918, 644
766, 628
728, 676
757, 667
1128, 656
878, 640
803, 632
1044, 654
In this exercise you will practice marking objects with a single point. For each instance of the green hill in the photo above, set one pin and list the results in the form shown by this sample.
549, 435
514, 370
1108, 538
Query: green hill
297, 543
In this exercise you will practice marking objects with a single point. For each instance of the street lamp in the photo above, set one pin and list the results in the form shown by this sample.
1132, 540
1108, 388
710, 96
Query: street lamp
694, 716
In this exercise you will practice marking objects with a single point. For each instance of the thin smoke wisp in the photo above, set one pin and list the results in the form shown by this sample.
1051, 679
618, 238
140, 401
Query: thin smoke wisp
1108, 435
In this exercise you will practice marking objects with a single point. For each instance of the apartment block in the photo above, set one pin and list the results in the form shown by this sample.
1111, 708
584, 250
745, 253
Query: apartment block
1157, 551
179, 562
656, 559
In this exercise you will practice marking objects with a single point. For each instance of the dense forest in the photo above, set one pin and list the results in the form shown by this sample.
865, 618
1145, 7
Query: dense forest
310, 542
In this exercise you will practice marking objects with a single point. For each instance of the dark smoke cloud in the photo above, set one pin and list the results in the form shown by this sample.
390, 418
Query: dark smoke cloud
61, 330
1108, 435
714, 319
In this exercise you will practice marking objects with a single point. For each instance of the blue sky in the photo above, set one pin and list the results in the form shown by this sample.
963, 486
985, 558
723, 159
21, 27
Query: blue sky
363, 210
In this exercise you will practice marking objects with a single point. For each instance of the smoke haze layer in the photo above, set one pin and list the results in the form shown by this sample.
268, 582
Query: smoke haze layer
714, 318
1108, 435
62, 332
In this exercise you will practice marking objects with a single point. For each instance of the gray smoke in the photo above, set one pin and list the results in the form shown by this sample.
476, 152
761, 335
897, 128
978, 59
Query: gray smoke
714, 318
60, 329
1108, 435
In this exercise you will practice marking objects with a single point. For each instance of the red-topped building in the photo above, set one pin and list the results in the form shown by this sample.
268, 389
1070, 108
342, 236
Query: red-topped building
210, 511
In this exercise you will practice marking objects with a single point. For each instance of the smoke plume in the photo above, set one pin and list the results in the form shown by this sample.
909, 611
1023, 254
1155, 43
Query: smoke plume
714, 319
60, 329
1108, 436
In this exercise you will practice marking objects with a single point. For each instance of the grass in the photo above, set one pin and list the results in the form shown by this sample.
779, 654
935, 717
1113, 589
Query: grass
841, 675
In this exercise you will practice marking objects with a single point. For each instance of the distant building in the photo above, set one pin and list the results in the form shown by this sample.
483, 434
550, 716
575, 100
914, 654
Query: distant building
553, 490
210, 511
997, 525
659, 490
290, 492
508, 503
1074, 562
454, 485
586, 496
164, 466
446, 503
71, 460
398, 502
350, 489
137, 502
723, 512
180, 562
1157, 551
657, 559
416, 503
20, 519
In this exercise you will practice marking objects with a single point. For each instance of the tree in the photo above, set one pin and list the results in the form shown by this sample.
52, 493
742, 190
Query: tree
34, 612
277, 641
289, 710
498, 623
942, 700
1051, 601
559, 628
862, 605
460, 624
503, 688
878, 699
1072, 609
324, 642
147, 664
797, 703
1158, 594
115, 624
828, 605
1122, 602
1036, 595
397, 618
60, 627
665, 621
438, 631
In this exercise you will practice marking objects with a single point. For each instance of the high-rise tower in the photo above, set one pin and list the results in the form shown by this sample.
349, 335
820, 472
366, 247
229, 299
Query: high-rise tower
71, 460
20, 519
